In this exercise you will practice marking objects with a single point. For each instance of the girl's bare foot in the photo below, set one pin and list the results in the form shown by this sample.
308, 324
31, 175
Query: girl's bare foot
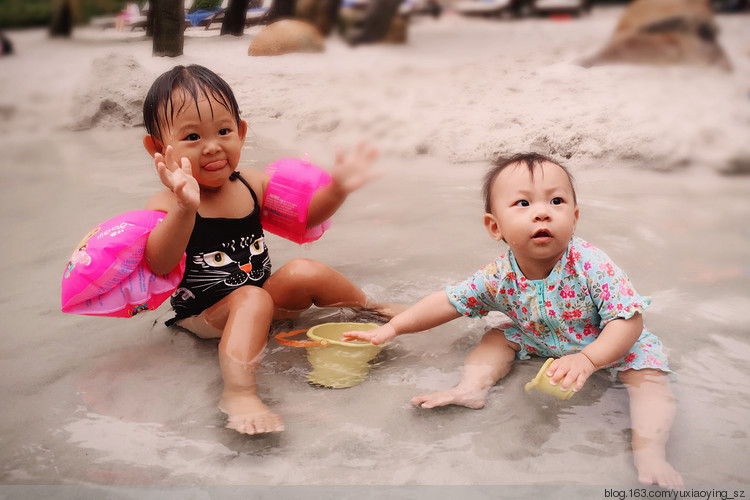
247, 414
474, 399
656, 470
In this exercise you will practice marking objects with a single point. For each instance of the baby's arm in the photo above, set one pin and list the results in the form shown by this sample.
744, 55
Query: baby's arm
350, 172
431, 311
614, 341
167, 242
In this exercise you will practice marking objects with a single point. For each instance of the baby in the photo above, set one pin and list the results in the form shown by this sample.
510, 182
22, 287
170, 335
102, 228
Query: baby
565, 299
195, 135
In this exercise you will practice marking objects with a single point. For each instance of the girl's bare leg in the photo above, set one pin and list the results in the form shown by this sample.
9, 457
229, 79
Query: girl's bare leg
301, 283
242, 319
487, 363
652, 409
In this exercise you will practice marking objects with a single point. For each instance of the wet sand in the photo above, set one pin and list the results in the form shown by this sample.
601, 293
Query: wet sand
99, 401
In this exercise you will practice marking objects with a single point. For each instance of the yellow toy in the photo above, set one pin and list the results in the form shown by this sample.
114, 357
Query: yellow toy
335, 363
542, 383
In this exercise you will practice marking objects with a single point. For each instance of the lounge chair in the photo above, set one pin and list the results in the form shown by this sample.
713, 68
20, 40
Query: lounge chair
482, 7
253, 16
204, 17
573, 7
489, 8
142, 21
134, 22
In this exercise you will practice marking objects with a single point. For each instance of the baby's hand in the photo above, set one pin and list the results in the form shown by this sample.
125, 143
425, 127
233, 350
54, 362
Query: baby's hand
573, 368
178, 177
353, 170
378, 336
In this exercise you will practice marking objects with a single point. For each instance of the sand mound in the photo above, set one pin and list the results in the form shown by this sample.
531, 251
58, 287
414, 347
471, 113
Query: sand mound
112, 95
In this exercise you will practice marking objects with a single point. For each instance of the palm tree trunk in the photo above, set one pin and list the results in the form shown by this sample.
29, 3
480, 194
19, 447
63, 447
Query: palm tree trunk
280, 9
62, 18
169, 27
234, 18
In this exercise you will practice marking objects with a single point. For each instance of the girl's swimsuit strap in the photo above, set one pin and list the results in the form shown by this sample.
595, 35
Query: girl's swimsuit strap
236, 175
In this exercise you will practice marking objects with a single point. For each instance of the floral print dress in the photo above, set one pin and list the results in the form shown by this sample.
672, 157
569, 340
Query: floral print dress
564, 312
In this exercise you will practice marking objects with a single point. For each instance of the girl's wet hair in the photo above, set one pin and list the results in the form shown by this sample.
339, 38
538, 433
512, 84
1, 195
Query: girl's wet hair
531, 160
194, 81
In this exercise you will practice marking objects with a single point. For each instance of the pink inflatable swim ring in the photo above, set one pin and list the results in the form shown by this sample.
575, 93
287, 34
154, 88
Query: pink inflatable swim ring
292, 185
107, 276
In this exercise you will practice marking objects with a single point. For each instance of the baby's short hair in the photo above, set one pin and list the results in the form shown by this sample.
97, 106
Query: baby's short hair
194, 80
530, 160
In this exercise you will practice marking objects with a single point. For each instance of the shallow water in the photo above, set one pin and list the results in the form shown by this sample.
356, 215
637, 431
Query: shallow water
107, 401
130, 402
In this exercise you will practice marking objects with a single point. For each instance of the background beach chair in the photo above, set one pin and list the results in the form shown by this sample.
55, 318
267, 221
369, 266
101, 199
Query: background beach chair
142, 21
205, 18
216, 16
106, 22
572, 7
253, 16
491, 8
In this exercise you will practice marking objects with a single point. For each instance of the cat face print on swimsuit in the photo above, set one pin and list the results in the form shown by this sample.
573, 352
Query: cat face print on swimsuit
237, 263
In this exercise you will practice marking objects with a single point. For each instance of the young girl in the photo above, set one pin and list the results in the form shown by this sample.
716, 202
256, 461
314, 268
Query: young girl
565, 299
195, 136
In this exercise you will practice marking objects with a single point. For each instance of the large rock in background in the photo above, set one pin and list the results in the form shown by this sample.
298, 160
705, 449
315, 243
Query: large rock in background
664, 32
286, 36
112, 94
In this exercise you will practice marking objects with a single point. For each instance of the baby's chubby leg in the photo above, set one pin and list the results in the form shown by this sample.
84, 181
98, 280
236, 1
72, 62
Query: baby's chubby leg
244, 318
301, 283
487, 363
652, 409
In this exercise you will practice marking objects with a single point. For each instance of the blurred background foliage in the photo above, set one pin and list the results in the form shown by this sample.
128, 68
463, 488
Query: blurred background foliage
26, 13
205, 5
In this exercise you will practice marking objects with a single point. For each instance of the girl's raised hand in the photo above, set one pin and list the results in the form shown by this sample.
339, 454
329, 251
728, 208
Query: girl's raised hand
178, 177
378, 336
354, 169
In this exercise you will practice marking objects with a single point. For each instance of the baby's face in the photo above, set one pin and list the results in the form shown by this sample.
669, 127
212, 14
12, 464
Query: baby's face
535, 215
208, 135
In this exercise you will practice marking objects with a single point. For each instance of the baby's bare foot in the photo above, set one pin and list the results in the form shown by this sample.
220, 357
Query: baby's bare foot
474, 399
247, 414
655, 470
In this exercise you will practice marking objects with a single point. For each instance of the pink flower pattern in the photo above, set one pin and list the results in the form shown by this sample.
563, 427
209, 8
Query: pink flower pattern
564, 312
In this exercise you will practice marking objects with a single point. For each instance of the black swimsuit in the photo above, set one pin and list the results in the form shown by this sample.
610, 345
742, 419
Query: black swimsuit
222, 255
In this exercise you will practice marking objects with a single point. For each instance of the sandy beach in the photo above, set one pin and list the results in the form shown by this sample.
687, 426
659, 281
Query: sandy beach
661, 158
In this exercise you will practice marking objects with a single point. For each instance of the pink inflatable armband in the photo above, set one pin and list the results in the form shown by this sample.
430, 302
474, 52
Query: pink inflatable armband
107, 276
292, 185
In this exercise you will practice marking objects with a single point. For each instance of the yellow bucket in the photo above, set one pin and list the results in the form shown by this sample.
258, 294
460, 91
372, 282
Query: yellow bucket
335, 363
541, 383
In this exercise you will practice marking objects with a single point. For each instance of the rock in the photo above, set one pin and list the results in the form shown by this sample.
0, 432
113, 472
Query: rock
286, 36
112, 94
664, 32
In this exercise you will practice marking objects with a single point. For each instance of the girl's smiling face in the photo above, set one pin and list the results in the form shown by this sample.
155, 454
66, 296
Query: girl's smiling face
205, 132
535, 213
